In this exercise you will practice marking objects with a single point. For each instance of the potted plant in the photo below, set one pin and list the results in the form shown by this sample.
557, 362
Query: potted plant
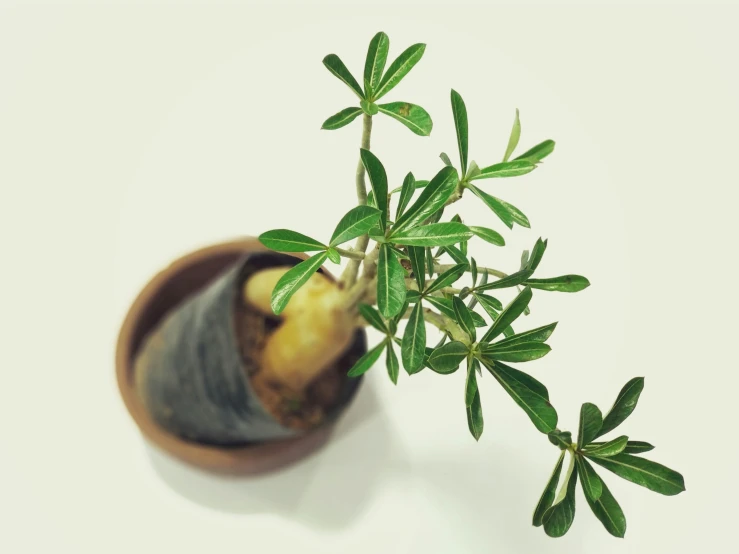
242, 355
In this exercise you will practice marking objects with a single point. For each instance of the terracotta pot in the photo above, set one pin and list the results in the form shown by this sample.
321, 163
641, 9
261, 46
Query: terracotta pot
210, 276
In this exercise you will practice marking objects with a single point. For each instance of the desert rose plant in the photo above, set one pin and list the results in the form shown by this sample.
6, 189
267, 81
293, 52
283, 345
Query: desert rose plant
409, 268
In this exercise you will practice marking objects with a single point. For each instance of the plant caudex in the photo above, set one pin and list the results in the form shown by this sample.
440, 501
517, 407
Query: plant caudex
412, 273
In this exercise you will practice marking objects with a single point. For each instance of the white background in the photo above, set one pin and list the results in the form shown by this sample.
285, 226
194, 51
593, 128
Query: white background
132, 133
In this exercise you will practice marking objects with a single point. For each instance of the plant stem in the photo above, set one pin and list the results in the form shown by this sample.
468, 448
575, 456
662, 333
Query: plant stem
351, 254
445, 267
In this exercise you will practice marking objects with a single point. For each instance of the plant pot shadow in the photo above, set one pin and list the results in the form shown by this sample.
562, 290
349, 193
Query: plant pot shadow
328, 489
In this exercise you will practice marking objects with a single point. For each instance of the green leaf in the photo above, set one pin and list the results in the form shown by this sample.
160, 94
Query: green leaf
399, 69
558, 519
565, 283
509, 315
406, 194
334, 255
591, 421
473, 270
375, 61
607, 449
540, 334
508, 213
341, 119
434, 234
512, 280
489, 303
470, 385
447, 358
284, 240
414, 117
610, 514
513, 140
373, 317
563, 439
412, 296
456, 254
646, 473
464, 318
391, 361
447, 278
293, 279
623, 406
550, 491
337, 67
358, 221
488, 235
390, 283
378, 180
538, 152
413, 349
417, 258
460, 124
370, 108
591, 484
473, 171
367, 361
430, 201
638, 447
527, 393
429, 262
519, 352
475, 420
505, 169
445, 158
536, 255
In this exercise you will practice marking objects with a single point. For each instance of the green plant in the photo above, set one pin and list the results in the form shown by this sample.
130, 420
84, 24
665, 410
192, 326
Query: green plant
404, 277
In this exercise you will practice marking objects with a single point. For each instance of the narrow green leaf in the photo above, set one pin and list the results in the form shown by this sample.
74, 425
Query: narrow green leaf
470, 385
558, 519
536, 255
473, 171
390, 283
370, 108
623, 406
488, 235
455, 254
399, 69
513, 139
610, 514
488, 303
475, 420
396, 319
505, 169
293, 279
464, 318
591, 484
341, 119
550, 491
591, 421
563, 439
538, 152
373, 317
430, 201
527, 393
447, 278
607, 449
519, 352
646, 473
512, 280
509, 315
430, 262
447, 358
378, 181
413, 348
638, 447
375, 61
473, 269
540, 334
391, 361
414, 117
508, 213
434, 234
358, 221
284, 240
413, 296
406, 194
417, 258
334, 64
334, 255
565, 283
367, 361
460, 124
445, 158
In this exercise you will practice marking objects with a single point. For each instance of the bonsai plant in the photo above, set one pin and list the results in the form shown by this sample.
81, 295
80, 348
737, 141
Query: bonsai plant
273, 347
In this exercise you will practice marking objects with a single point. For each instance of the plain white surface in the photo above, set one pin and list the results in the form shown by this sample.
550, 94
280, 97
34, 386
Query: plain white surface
130, 135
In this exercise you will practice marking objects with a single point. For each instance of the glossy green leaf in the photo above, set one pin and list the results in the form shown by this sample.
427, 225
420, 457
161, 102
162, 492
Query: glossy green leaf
638, 447
390, 283
610, 514
550, 491
373, 317
391, 361
399, 69
607, 449
455, 254
518, 352
414, 117
646, 473
293, 279
464, 318
375, 62
334, 255
558, 519
473, 270
623, 406
536, 255
461, 126
513, 139
591, 484
488, 235
538, 152
564, 283
447, 358
509, 315
591, 421
341, 119
563, 439
512, 280
527, 392
508, 213
489, 303
413, 296
540, 334
475, 420
447, 278
429, 262
417, 257
406, 194
358, 221
378, 181
334, 64
413, 347
367, 361
284, 240
445, 158
434, 234
370, 108
505, 169
470, 385
430, 201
